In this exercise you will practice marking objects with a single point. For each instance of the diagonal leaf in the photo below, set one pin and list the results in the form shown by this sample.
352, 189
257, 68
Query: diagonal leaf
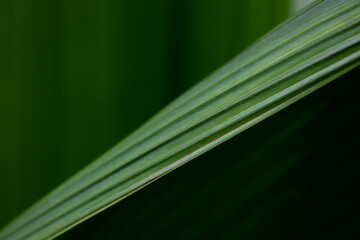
298, 57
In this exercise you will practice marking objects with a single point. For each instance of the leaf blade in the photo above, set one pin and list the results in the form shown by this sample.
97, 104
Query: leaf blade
255, 85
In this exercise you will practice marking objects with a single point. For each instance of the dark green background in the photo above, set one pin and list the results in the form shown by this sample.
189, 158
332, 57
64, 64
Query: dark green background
76, 76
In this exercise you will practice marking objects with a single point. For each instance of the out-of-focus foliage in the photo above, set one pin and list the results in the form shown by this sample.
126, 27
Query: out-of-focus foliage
75, 73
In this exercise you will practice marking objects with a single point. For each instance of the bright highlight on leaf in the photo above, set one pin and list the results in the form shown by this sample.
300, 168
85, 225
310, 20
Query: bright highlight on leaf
303, 54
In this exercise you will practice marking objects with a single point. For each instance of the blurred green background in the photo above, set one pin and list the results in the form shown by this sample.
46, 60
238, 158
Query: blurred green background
76, 76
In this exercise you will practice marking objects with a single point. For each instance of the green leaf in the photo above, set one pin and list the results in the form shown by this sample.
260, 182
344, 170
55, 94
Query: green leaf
298, 57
